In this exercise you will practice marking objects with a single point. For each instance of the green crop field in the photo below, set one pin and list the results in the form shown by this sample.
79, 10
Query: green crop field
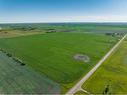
63, 47
52, 54
111, 75
17, 79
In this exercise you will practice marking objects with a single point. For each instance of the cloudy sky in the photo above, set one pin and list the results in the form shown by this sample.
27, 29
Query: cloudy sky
13, 11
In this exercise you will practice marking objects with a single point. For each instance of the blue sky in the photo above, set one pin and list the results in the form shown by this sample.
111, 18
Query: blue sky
63, 11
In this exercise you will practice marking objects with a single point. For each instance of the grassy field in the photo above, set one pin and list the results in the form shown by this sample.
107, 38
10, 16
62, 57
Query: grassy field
52, 54
80, 93
111, 76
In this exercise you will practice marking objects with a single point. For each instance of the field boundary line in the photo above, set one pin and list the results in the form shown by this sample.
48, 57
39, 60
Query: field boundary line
79, 84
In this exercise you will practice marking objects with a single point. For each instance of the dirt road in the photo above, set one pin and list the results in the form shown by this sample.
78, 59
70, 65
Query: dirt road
77, 87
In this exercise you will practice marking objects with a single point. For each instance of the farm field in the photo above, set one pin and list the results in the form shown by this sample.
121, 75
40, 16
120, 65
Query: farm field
80, 93
110, 78
66, 27
52, 54
18, 79
17, 33
63, 47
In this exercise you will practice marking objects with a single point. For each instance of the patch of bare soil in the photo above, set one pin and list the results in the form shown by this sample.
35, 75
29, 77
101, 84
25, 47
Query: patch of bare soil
82, 57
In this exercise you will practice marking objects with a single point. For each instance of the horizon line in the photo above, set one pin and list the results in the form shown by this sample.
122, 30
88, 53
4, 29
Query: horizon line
64, 22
